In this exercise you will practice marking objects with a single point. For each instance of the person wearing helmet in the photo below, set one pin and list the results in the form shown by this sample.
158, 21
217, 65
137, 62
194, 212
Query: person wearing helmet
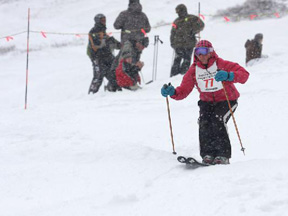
100, 50
211, 74
183, 39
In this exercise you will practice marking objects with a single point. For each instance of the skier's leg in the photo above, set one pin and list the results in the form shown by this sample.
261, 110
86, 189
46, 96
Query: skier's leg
186, 60
206, 129
176, 64
97, 77
111, 75
220, 118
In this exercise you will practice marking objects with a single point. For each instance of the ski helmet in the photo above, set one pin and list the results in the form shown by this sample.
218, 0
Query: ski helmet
98, 18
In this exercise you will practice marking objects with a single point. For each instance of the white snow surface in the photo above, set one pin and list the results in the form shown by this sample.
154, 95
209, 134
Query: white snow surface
72, 154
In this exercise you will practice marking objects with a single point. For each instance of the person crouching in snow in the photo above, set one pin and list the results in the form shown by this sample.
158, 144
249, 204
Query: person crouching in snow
207, 73
127, 75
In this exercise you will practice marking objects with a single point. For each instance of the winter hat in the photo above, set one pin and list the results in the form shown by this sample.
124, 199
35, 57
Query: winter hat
126, 54
258, 37
204, 43
133, 1
181, 10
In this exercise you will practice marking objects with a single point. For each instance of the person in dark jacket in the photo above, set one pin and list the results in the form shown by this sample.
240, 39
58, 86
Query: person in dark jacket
254, 48
100, 48
183, 39
127, 74
132, 22
211, 74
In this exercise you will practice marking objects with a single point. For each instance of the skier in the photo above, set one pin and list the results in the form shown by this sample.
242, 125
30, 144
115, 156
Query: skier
183, 40
99, 49
208, 72
254, 47
127, 74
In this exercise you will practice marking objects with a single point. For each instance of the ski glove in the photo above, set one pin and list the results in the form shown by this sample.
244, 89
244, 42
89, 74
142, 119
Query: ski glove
167, 90
222, 75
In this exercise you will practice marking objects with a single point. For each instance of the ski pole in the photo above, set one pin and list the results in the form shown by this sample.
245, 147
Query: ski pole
27, 60
199, 19
242, 148
142, 77
170, 124
156, 56
153, 68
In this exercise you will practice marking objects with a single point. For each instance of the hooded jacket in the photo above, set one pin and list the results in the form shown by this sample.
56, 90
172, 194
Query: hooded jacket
202, 76
131, 21
254, 48
184, 29
127, 74
104, 44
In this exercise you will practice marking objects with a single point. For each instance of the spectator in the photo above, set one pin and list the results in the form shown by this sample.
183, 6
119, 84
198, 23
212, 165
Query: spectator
183, 39
100, 48
133, 47
131, 22
254, 47
127, 74
210, 74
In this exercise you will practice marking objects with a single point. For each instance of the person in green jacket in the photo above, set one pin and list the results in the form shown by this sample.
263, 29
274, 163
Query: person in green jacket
183, 39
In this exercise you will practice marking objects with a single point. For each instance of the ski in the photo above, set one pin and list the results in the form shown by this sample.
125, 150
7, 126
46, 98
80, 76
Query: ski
191, 161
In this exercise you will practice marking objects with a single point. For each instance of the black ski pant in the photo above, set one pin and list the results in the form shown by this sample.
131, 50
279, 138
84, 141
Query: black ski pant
182, 61
101, 69
213, 134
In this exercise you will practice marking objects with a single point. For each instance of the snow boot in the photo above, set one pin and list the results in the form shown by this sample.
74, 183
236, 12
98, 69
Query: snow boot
221, 160
207, 159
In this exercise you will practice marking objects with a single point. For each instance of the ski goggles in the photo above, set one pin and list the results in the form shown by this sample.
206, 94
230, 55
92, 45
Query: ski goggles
203, 50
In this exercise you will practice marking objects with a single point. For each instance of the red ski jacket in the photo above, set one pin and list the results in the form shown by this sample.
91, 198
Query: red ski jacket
203, 78
123, 78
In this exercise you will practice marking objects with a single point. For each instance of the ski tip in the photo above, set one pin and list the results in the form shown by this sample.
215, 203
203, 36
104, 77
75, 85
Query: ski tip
181, 159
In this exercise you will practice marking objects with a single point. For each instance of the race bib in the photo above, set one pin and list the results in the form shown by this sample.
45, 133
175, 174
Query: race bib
205, 79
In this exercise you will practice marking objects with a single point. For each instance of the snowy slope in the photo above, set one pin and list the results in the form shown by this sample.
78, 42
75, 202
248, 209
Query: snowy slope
72, 154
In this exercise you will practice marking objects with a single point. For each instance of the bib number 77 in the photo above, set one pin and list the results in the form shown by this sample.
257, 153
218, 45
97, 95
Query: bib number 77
207, 82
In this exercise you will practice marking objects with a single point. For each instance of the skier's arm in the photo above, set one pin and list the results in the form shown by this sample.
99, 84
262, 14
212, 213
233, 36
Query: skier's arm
186, 86
172, 36
147, 24
173, 33
114, 44
240, 74
95, 48
119, 22
197, 25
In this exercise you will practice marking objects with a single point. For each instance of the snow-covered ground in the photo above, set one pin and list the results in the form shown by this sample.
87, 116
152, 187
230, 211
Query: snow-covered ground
72, 154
